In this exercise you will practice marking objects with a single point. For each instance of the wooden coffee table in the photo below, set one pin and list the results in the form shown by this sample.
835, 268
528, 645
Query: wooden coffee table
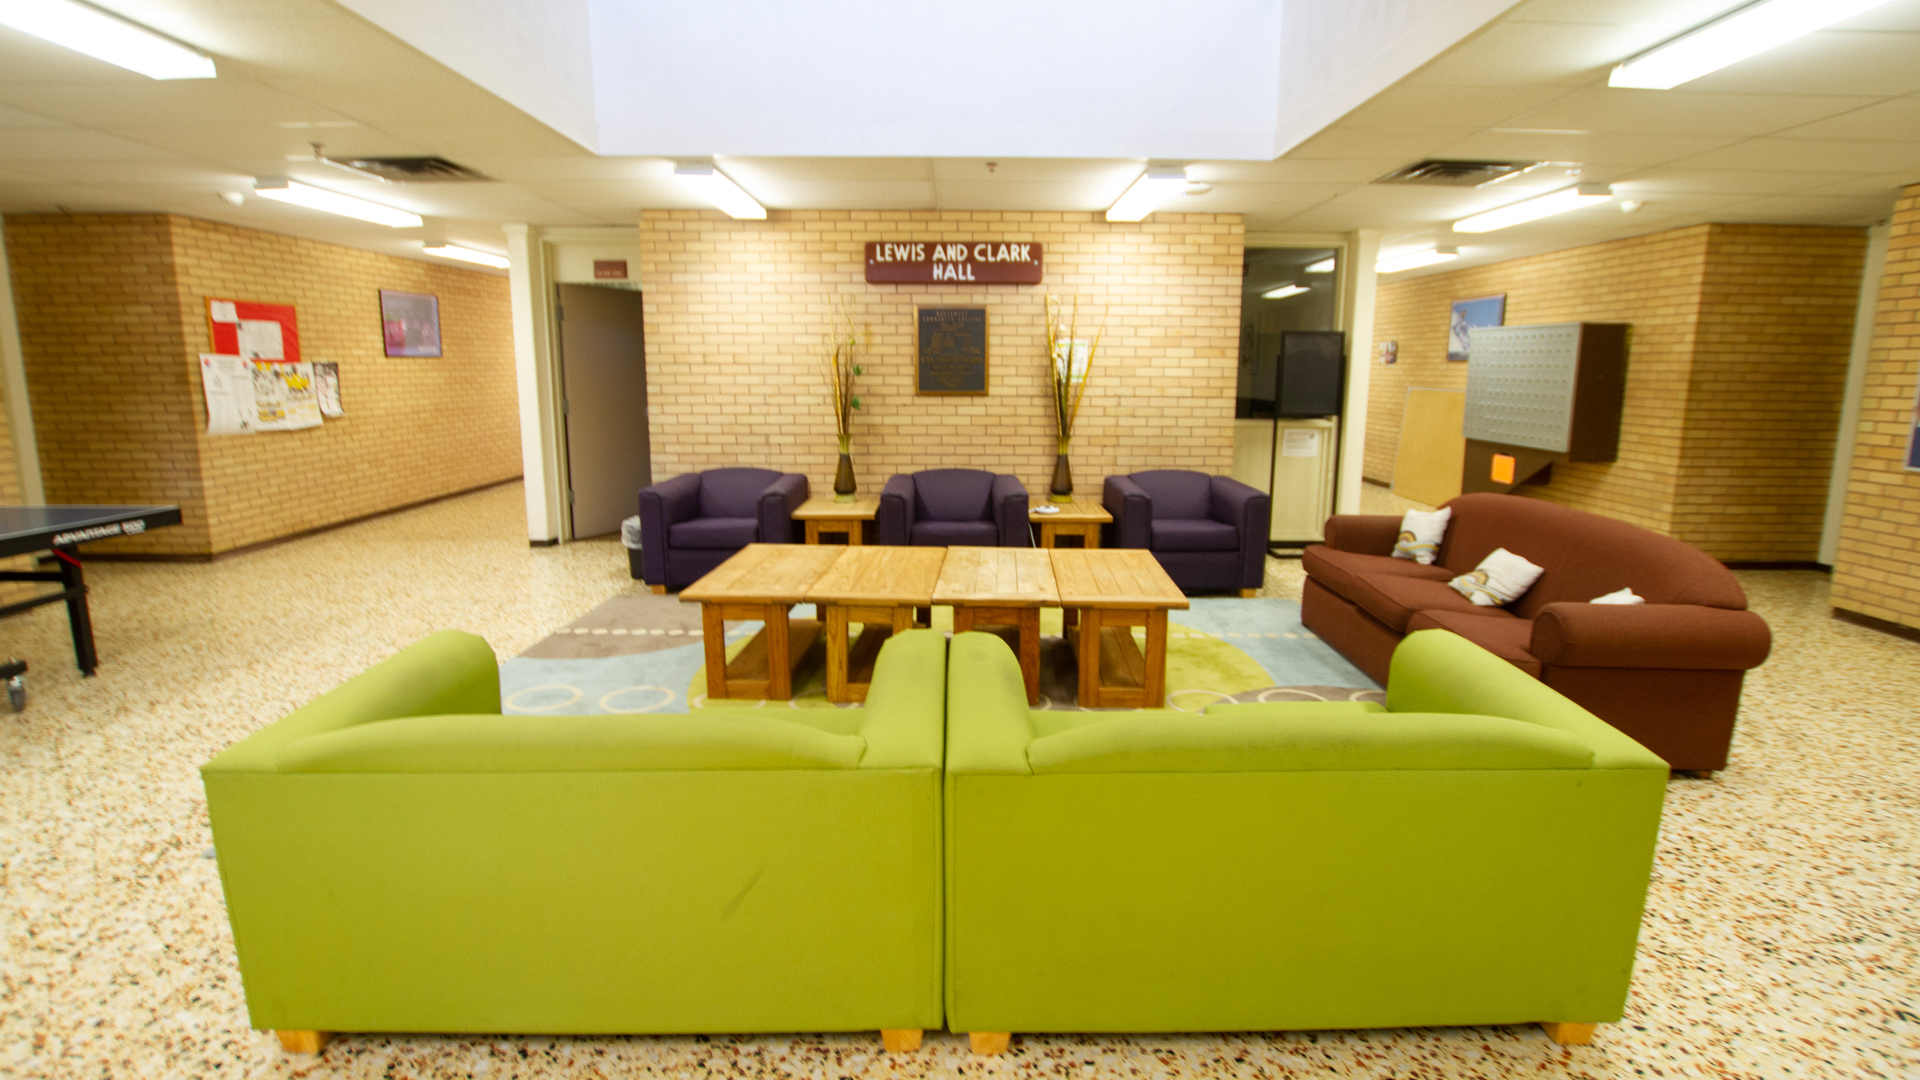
1001, 587
823, 515
1115, 590
760, 581
1081, 519
878, 588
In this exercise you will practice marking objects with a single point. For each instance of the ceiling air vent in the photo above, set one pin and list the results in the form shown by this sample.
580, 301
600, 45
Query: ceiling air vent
412, 170
1456, 173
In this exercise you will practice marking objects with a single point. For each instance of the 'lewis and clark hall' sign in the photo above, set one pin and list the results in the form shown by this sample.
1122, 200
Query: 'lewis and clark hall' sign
956, 262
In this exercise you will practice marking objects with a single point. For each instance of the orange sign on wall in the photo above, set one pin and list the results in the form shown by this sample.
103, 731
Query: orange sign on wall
1503, 468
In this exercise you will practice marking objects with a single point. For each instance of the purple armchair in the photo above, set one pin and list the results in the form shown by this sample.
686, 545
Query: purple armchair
953, 507
693, 522
1208, 532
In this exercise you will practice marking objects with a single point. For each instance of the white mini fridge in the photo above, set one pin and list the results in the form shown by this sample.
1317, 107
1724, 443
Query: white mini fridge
1302, 479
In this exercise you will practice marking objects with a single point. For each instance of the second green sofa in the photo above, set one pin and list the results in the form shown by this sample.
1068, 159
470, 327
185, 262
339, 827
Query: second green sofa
1476, 853
398, 856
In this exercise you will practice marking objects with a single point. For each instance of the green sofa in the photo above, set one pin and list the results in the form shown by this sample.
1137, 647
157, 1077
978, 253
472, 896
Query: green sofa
1475, 853
398, 856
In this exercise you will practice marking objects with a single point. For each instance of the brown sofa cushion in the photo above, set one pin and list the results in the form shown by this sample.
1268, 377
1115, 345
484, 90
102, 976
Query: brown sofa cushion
1584, 555
1505, 638
1394, 598
1337, 570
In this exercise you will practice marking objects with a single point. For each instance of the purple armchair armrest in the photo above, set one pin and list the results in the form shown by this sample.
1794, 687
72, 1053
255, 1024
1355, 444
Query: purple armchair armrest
1009, 504
777, 505
1249, 510
661, 505
893, 522
1132, 512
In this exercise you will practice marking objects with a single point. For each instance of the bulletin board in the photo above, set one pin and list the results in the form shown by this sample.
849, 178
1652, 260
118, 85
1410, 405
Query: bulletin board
253, 331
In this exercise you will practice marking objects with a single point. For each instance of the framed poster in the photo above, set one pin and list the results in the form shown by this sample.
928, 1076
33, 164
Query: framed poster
1467, 314
410, 322
950, 350
253, 331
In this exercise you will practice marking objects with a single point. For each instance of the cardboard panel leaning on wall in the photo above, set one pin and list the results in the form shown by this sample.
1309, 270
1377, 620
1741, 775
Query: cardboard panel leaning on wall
113, 410
1877, 571
736, 309
414, 429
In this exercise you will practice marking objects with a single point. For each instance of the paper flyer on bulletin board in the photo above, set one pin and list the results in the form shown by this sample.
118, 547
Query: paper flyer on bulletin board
229, 392
245, 396
284, 398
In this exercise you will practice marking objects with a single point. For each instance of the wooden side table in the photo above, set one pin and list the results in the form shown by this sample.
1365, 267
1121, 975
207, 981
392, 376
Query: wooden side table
1116, 590
1001, 587
760, 581
877, 588
1081, 519
823, 515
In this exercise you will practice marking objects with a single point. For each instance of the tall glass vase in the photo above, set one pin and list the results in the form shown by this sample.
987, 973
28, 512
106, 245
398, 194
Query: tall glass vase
843, 485
1062, 490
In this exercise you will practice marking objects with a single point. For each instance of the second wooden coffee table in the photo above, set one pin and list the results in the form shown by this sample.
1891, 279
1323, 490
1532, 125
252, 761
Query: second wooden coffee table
1115, 590
825, 514
1001, 587
878, 588
760, 581
1081, 519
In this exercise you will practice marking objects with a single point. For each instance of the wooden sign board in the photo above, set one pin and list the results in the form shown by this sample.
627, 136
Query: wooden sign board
950, 350
954, 262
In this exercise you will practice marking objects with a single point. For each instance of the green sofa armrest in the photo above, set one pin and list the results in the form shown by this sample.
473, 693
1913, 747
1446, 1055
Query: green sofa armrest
1295, 708
710, 740
904, 719
984, 685
1438, 671
450, 672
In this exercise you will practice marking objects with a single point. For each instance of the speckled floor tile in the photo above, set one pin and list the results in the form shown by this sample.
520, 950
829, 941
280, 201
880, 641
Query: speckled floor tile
1780, 939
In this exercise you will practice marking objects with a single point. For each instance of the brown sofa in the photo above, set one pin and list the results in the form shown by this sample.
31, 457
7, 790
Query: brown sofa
1666, 672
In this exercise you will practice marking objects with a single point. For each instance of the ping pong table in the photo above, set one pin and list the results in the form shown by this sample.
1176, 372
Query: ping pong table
25, 530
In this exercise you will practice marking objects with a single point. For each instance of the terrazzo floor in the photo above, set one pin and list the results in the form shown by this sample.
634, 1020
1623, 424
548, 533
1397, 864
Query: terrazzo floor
1780, 938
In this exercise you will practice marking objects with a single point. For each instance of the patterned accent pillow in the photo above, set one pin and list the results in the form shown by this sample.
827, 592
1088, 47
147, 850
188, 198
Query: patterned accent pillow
1620, 596
1501, 578
1420, 534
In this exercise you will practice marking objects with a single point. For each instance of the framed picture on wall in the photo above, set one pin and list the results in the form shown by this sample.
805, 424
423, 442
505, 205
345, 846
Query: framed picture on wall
410, 323
1913, 441
1467, 314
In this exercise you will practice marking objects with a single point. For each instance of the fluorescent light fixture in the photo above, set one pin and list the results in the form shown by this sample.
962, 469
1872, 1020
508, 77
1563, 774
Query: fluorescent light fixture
1285, 291
1416, 260
1553, 202
716, 188
86, 29
484, 258
1324, 266
1155, 186
281, 189
1751, 30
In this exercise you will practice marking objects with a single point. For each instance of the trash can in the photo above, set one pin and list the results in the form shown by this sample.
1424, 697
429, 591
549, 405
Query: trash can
630, 539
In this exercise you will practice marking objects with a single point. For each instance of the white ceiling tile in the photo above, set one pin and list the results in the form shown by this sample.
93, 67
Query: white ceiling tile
1600, 149
1882, 186
1415, 104
1609, 110
1894, 120
1291, 170
1663, 179
52, 144
1812, 210
1771, 154
1827, 62
1407, 144
1537, 54
11, 118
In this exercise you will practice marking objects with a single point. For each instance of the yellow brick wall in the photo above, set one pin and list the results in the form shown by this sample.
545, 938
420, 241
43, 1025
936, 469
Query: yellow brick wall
735, 311
113, 319
1877, 570
1740, 338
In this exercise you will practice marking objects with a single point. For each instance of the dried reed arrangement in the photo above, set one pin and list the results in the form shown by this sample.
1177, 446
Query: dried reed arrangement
1070, 362
840, 351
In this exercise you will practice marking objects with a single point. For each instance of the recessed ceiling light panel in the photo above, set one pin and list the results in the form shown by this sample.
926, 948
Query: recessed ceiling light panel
1749, 31
454, 251
1414, 260
281, 189
103, 36
717, 188
1554, 202
1155, 186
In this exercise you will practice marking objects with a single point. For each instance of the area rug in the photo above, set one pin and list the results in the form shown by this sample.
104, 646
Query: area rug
641, 653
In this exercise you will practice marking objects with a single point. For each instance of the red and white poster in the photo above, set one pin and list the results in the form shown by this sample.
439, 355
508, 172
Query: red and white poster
254, 331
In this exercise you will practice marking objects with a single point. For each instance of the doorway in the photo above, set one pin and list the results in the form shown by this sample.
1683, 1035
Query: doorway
603, 376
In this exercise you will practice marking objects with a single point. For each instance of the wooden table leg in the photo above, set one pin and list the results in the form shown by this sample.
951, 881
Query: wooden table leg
837, 647
962, 618
1030, 652
1156, 681
1089, 652
855, 529
779, 656
1047, 530
813, 531
713, 629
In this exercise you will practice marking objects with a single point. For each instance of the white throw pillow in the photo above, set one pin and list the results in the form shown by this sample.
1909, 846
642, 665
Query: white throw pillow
1500, 578
1623, 596
1420, 534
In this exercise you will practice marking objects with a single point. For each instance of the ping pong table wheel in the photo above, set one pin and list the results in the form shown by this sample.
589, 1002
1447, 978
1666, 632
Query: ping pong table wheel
15, 672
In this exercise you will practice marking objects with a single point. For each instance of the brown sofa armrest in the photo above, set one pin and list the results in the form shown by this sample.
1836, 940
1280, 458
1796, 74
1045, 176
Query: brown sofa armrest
1363, 534
1650, 636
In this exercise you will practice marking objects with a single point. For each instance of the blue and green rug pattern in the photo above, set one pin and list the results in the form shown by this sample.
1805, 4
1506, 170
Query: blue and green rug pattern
640, 653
